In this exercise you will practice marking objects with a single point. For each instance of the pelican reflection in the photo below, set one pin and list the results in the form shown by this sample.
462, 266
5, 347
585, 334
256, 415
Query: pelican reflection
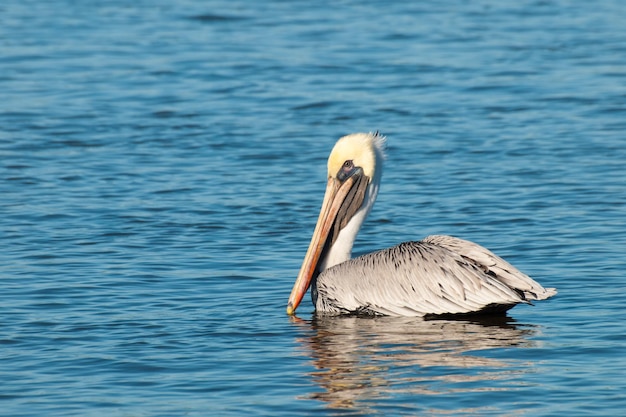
359, 361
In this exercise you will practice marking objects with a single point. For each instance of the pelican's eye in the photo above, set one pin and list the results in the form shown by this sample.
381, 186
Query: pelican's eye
346, 170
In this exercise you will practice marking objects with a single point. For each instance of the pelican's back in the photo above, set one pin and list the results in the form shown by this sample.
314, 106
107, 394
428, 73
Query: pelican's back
439, 275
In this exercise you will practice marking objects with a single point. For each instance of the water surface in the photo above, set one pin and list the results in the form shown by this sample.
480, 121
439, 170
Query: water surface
162, 164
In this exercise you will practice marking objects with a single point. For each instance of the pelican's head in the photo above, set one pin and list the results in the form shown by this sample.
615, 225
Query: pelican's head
354, 171
361, 150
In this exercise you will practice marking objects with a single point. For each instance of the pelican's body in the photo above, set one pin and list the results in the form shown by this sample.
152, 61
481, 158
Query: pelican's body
438, 275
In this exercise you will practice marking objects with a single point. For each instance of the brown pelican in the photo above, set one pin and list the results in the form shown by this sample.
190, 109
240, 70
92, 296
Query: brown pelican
436, 276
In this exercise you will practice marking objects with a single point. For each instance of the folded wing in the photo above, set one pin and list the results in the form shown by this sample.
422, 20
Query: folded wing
439, 275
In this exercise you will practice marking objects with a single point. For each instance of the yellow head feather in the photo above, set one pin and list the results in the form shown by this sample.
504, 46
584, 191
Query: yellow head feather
365, 150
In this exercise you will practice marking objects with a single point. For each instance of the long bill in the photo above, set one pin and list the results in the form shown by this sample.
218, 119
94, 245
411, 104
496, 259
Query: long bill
334, 197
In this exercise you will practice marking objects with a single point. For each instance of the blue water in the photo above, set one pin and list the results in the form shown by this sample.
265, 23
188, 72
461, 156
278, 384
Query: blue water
162, 164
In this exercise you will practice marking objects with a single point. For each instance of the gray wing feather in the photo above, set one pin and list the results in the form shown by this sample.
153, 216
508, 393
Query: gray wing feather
439, 275
493, 264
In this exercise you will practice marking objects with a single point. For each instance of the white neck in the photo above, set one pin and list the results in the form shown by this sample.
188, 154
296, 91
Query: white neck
341, 250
